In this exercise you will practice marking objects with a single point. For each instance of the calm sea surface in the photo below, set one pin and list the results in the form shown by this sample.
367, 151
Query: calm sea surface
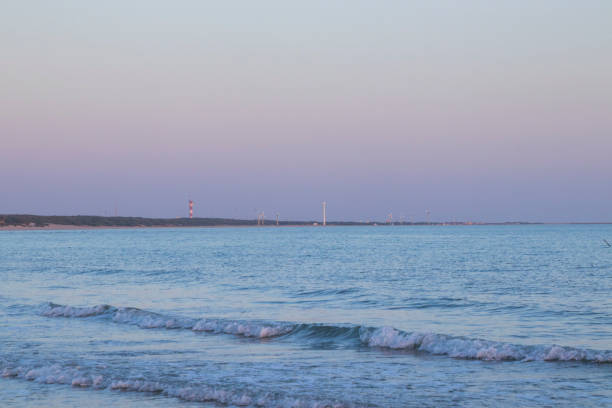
307, 317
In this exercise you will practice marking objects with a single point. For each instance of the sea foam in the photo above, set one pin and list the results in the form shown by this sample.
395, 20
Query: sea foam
225, 396
151, 320
54, 310
381, 337
476, 349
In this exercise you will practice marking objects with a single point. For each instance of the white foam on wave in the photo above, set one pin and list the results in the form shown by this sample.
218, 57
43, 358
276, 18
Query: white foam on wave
476, 349
205, 393
55, 374
54, 310
150, 320
79, 377
384, 337
247, 329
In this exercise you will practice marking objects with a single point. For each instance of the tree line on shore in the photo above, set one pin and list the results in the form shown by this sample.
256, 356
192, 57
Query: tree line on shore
28, 220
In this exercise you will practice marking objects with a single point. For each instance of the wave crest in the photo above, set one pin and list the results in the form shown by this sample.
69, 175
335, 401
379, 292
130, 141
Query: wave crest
382, 337
247, 329
151, 320
476, 349
54, 310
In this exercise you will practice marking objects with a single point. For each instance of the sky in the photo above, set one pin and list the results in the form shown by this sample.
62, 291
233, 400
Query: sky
471, 110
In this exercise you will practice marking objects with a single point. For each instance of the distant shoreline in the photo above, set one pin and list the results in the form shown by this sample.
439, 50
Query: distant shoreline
27, 222
60, 227
63, 227
61, 222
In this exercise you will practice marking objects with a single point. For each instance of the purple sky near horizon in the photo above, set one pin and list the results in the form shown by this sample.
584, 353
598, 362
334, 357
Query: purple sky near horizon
474, 110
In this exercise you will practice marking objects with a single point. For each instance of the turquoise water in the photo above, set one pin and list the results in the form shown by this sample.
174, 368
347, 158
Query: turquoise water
307, 317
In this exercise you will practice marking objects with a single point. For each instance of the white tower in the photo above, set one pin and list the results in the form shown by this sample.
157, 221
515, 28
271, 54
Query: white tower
324, 213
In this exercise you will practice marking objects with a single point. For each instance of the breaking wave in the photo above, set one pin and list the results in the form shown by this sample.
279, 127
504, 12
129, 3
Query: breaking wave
382, 337
54, 310
151, 320
83, 378
477, 349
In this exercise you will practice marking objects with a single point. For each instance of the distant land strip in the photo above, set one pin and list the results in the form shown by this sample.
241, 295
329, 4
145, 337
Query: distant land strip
75, 221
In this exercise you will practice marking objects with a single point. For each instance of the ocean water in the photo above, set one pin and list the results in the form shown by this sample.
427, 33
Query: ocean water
307, 317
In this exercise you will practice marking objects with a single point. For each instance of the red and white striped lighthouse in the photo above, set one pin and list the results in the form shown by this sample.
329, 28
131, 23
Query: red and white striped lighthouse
190, 208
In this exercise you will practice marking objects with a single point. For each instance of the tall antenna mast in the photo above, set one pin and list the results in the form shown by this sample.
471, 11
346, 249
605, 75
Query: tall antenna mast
324, 213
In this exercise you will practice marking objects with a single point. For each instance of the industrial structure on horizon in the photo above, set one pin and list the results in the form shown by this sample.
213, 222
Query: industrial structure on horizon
261, 220
324, 213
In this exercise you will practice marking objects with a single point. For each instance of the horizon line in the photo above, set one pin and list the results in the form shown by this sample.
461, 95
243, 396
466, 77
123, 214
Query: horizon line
186, 221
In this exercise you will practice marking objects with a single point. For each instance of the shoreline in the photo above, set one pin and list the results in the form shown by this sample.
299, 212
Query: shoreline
61, 227
67, 227
30, 222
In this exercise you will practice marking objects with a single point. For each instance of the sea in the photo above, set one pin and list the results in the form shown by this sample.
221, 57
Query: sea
355, 316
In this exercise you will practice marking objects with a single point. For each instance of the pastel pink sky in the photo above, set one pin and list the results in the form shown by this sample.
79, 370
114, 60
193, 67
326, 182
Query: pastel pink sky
474, 110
